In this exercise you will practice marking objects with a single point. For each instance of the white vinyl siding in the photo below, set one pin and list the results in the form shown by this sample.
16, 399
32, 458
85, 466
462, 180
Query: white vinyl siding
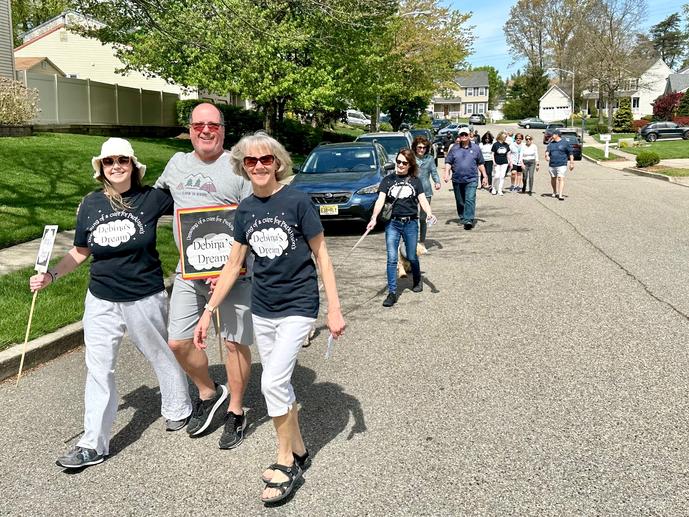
6, 43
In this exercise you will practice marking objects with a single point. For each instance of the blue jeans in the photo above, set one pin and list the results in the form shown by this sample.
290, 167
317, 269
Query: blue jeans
465, 199
408, 231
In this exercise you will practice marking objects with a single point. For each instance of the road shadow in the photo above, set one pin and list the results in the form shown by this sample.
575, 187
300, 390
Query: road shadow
146, 404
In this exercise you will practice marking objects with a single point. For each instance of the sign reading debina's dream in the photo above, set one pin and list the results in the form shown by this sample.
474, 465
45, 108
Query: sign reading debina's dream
205, 240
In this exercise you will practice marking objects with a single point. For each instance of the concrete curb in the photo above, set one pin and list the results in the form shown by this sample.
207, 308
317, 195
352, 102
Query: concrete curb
649, 174
47, 347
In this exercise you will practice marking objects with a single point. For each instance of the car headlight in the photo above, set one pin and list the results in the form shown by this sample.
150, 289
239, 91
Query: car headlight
371, 189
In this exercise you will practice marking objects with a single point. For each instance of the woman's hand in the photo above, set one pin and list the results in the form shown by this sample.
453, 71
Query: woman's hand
201, 330
335, 322
371, 225
39, 281
437, 186
431, 219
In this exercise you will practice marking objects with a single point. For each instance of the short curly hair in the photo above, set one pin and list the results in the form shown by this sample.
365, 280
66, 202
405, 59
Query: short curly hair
264, 140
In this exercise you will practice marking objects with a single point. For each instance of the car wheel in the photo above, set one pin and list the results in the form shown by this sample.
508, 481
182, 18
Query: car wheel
528, 126
686, 135
651, 137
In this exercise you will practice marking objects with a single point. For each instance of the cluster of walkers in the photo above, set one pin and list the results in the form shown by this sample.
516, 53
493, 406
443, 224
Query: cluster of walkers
273, 308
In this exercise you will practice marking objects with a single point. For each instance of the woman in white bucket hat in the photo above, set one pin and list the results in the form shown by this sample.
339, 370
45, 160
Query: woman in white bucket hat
117, 227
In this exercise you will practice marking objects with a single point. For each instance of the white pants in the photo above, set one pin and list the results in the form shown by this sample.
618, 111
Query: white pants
105, 323
499, 172
278, 341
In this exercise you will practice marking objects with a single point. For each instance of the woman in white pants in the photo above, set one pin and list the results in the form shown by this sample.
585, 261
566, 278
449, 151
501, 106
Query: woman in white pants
117, 227
283, 230
502, 162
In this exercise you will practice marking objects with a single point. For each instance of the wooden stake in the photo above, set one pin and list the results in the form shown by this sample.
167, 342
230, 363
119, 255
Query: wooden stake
217, 331
26, 338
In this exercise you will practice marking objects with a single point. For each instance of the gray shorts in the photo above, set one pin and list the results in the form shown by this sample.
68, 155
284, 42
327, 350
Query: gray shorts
186, 306
557, 172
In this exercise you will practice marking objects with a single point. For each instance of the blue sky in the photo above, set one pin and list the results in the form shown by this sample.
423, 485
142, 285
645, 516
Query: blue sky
489, 17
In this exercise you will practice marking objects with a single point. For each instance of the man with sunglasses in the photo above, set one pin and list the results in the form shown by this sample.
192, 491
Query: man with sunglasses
204, 178
463, 163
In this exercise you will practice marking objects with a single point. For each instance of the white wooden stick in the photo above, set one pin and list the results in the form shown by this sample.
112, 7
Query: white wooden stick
26, 338
217, 321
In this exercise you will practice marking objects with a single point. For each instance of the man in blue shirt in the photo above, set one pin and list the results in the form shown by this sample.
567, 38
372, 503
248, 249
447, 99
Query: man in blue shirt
557, 154
463, 163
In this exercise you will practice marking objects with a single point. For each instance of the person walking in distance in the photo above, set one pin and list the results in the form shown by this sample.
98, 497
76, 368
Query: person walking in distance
531, 165
516, 148
427, 172
502, 160
463, 164
203, 178
486, 147
559, 155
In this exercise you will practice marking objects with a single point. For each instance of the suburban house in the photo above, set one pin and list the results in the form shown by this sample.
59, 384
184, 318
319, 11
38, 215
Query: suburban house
37, 65
678, 83
6, 43
81, 57
642, 91
554, 105
469, 95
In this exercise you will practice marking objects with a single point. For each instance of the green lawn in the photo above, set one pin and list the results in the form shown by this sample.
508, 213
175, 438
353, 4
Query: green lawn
599, 154
673, 172
45, 176
615, 137
667, 149
60, 304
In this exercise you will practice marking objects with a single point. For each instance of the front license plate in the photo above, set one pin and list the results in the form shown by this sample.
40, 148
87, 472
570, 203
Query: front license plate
328, 209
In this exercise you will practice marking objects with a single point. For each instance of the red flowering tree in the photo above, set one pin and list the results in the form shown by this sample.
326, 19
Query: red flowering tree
665, 106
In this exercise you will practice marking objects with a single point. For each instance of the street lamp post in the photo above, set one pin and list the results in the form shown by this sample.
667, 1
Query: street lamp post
572, 99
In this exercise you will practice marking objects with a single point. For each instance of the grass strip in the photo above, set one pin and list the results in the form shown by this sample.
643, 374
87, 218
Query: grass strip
44, 177
671, 171
615, 137
60, 304
599, 154
669, 149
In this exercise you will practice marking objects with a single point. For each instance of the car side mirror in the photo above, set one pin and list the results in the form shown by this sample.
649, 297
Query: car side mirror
296, 169
389, 166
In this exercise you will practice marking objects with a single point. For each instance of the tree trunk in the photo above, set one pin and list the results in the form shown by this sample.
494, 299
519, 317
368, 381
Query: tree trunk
611, 101
269, 117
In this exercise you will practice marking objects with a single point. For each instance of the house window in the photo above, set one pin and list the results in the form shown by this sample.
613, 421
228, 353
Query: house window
635, 102
44, 65
469, 109
481, 108
73, 76
63, 35
470, 92
482, 91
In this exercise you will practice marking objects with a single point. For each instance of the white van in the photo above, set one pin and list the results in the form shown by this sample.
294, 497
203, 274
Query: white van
357, 118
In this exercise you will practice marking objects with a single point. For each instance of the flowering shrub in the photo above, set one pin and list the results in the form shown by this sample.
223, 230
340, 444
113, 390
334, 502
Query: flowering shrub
18, 104
638, 124
666, 106
682, 121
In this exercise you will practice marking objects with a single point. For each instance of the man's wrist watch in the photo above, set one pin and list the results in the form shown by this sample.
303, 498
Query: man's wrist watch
209, 308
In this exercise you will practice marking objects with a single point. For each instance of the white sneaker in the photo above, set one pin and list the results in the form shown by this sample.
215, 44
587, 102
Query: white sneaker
553, 194
500, 193
493, 191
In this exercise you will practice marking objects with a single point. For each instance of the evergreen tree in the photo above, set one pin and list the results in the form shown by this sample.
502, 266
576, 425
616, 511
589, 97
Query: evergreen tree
668, 39
535, 85
623, 121
683, 109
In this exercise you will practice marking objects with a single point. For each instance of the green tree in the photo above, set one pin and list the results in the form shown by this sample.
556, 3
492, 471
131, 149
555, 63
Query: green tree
27, 14
496, 86
535, 85
669, 40
683, 108
623, 121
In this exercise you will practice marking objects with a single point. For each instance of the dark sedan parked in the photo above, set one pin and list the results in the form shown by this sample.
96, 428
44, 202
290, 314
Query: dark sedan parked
549, 131
575, 143
654, 131
342, 179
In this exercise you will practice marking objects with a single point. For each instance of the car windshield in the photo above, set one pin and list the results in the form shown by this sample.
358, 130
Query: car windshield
572, 139
339, 160
392, 144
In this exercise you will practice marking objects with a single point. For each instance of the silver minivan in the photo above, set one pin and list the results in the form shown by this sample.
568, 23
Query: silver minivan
357, 118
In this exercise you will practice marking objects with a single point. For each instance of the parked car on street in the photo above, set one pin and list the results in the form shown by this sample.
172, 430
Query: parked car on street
656, 130
532, 123
357, 118
549, 130
477, 118
392, 142
575, 143
438, 124
342, 179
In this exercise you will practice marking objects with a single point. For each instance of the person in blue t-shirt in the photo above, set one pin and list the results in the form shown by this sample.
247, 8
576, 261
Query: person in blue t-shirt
558, 154
281, 228
463, 163
116, 226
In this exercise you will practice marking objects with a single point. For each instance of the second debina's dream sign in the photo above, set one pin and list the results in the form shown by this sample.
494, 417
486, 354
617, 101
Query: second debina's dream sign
205, 239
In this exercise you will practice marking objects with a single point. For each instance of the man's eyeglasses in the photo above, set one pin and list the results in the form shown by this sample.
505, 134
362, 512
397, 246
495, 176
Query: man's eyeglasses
400, 162
109, 161
252, 161
213, 127
528, 138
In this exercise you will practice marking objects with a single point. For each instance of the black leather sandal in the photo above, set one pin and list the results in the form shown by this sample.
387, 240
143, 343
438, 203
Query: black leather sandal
293, 474
304, 463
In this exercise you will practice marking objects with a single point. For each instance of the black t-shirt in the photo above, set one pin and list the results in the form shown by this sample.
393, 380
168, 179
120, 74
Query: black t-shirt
277, 229
125, 263
501, 150
409, 188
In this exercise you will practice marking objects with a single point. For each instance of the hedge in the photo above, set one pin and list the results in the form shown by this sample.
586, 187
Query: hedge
647, 158
295, 136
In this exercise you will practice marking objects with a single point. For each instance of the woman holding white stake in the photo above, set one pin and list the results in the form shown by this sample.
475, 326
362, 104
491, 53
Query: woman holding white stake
283, 230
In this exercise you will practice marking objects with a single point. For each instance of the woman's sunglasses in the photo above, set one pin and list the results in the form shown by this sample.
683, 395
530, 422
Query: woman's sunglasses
109, 161
251, 161
400, 162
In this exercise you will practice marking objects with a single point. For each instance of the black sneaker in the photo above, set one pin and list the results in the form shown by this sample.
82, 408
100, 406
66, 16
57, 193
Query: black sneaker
390, 300
468, 226
418, 287
202, 414
233, 434
79, 457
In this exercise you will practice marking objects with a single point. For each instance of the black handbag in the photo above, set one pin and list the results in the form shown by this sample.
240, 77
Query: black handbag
386, 213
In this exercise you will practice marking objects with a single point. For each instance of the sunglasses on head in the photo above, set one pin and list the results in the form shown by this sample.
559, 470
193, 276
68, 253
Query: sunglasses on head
252, 161
109, 161
213, 127
400, 162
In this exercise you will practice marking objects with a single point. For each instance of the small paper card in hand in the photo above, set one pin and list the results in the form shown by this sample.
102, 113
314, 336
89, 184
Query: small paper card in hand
205, 240
46, 248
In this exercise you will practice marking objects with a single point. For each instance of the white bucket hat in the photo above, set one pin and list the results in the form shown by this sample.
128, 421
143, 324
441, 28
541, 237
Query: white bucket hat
116, 147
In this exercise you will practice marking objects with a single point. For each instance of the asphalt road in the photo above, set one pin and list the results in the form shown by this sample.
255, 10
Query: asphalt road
542, 371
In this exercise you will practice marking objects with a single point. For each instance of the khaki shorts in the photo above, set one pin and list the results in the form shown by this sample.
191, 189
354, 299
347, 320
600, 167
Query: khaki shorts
188, 300
557, 172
